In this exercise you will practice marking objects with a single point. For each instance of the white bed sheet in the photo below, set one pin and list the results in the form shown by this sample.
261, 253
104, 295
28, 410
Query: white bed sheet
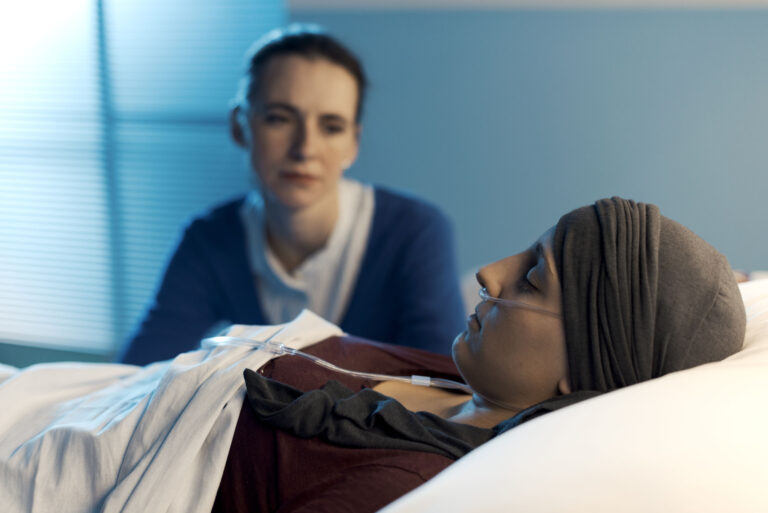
106, 437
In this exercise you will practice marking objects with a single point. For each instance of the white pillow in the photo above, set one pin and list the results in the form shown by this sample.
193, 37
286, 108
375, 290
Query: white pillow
692, 441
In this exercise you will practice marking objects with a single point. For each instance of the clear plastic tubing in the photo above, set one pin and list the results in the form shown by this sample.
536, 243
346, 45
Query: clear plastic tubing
280, 349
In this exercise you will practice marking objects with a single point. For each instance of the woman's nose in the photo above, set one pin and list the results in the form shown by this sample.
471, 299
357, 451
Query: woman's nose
305, 142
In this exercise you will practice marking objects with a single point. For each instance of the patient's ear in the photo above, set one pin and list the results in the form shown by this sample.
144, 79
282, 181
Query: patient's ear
237, 130
564, 385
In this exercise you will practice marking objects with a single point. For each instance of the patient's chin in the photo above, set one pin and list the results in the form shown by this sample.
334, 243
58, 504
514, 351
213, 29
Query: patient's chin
456, 346
462, 358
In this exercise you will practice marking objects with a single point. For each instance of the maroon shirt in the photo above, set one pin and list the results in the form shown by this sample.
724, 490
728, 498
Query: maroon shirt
272, 470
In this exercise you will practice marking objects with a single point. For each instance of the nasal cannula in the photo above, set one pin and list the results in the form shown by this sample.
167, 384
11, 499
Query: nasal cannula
278, 348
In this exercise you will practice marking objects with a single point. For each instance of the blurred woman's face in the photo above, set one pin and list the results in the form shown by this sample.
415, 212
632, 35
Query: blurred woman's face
513, 356
302, 130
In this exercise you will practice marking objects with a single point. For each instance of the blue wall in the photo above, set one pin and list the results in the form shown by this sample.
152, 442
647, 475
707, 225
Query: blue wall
507, 119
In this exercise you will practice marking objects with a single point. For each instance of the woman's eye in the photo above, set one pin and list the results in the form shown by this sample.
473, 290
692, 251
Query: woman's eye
276, 119
332, 128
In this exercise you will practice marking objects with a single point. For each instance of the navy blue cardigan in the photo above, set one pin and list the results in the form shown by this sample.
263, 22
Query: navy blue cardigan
406, 293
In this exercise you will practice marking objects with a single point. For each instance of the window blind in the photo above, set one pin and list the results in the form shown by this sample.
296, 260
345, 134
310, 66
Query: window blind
113, 132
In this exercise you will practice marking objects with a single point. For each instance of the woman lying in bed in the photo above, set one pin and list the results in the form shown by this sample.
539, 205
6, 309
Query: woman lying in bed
613, 295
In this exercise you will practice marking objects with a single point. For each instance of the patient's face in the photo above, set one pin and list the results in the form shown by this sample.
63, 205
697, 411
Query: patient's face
516, 356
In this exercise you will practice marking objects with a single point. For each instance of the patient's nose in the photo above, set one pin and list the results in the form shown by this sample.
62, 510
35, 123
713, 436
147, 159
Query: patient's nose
488, 278
495, 276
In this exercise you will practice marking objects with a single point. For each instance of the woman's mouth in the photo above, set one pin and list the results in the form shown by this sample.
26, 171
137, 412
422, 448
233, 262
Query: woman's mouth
298, 178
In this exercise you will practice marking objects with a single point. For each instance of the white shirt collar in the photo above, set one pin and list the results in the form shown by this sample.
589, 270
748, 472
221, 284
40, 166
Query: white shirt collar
322, 283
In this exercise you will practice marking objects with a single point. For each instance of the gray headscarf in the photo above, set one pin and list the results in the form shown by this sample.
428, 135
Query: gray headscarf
643, 296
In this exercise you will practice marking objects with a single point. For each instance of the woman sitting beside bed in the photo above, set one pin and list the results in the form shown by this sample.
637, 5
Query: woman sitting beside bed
306, 236
613, 295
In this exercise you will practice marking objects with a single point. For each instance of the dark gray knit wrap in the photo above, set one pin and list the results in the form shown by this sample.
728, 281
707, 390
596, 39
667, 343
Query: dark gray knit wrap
643, 296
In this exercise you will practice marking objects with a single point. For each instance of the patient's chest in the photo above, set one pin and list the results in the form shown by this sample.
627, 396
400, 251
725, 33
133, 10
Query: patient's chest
419, 398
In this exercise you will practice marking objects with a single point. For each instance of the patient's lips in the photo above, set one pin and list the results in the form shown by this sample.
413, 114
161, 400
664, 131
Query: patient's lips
473, 322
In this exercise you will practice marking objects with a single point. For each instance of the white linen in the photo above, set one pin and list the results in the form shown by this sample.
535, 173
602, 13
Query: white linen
6, 371
324, 282
107, 437
692, 441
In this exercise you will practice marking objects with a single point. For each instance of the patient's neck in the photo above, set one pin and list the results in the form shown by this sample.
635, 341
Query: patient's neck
480, 412
473, 410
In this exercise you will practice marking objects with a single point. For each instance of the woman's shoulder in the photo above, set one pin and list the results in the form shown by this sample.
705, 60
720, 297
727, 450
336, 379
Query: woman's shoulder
223, 211
222, 218
389, 199
217, 230
407, 212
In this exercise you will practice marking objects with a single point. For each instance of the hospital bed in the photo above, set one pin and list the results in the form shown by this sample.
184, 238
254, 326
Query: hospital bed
107, 437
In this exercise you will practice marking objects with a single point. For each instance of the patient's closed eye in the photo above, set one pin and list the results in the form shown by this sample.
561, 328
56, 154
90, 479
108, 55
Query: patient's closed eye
533, 278
526, 284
